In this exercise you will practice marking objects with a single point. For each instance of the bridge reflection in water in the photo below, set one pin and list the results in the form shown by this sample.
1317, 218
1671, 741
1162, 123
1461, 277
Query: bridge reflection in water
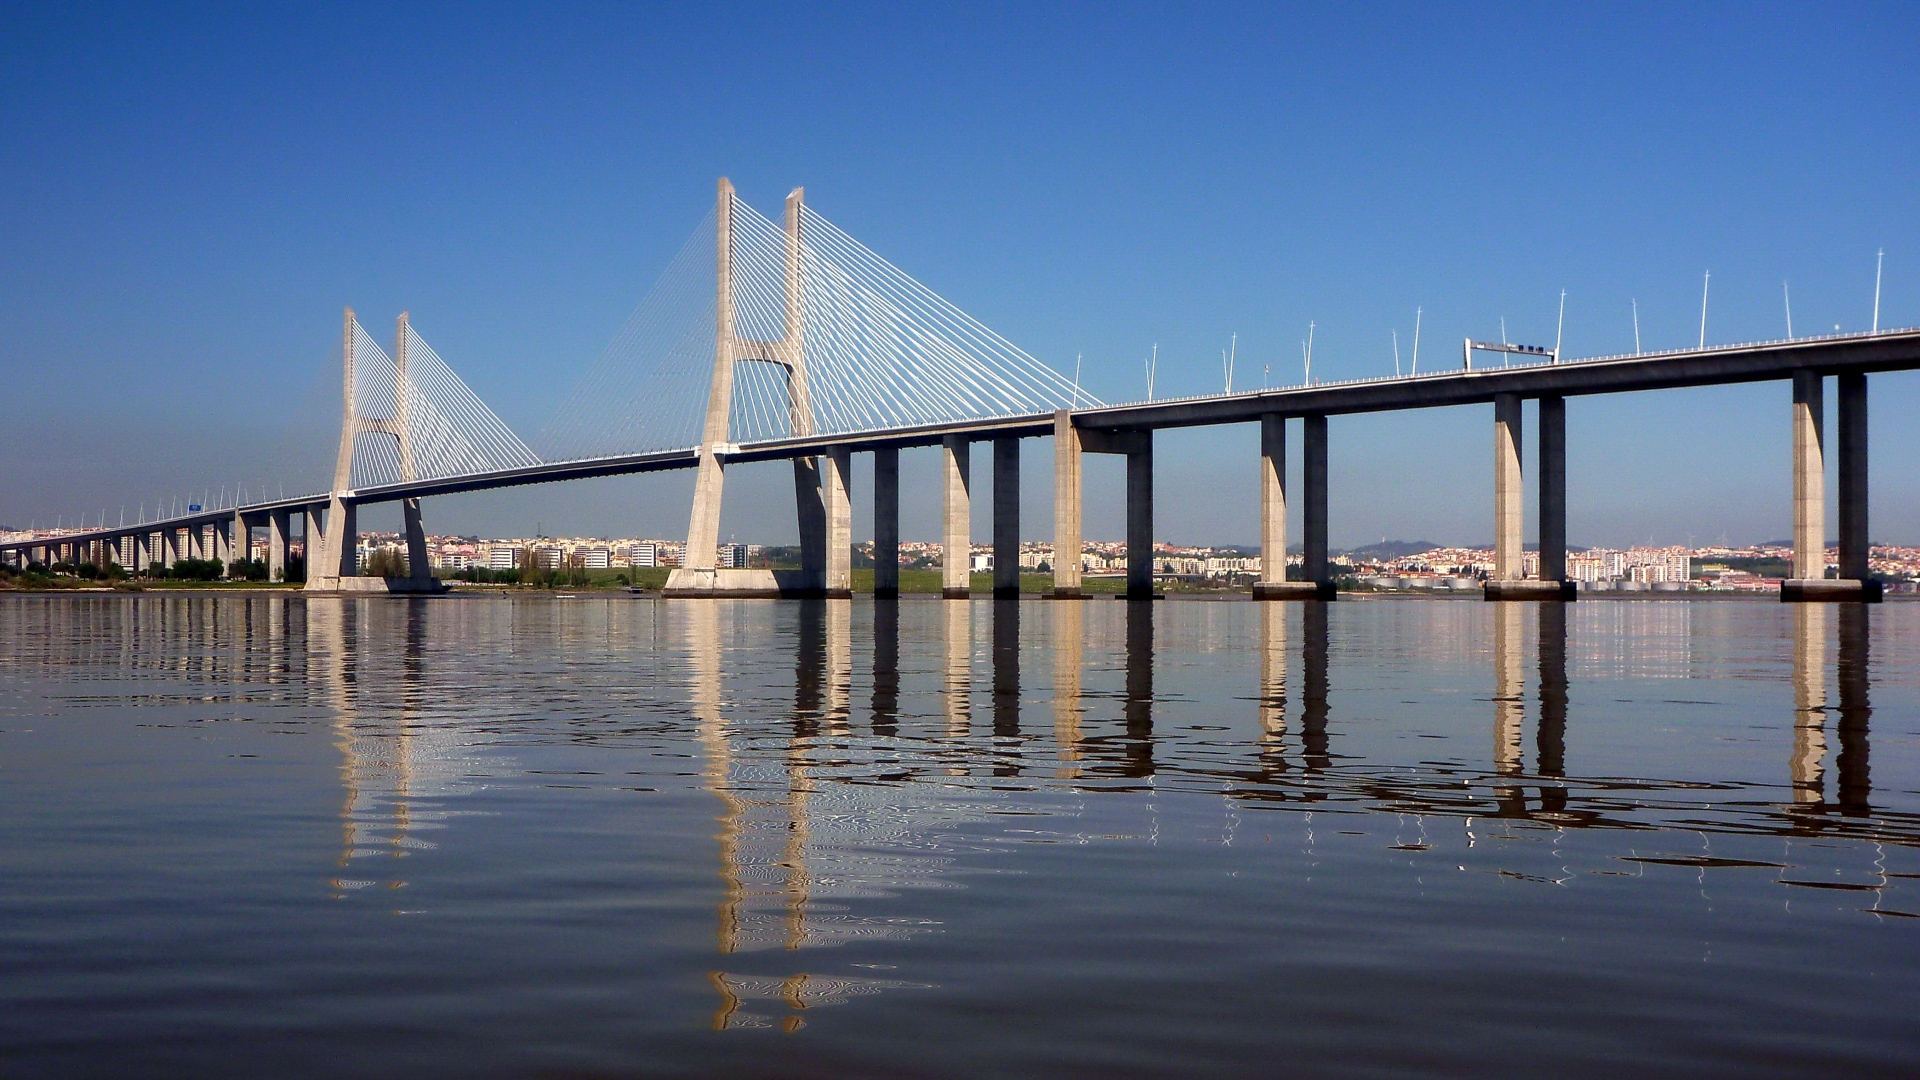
800, 814
840, 744
842, 793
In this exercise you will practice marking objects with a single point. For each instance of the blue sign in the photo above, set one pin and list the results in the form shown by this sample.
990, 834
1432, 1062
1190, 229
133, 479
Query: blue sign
193, 508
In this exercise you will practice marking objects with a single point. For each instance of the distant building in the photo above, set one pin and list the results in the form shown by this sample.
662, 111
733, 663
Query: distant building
595, 558
731, 556
502, 557
644, 554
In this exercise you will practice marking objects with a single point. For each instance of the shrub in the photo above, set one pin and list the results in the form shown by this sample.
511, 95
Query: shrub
385, 562
247, 570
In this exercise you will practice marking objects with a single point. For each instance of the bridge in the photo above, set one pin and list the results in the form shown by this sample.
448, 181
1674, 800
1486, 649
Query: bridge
811, 348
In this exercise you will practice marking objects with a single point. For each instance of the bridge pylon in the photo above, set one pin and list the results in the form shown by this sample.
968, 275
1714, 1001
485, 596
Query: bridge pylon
336, 568
819, 498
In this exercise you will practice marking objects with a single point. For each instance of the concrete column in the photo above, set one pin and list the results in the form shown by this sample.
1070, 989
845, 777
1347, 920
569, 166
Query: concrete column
339, 543
955, 561
1553, 489
1809, 477
1273, 499
1066, 506
416, 536
810, 506
1852, 451
1140, 520
279, 524
239, 539
1314, 479
313, 540
886, 522
836, 486
1006, 517
1508, 542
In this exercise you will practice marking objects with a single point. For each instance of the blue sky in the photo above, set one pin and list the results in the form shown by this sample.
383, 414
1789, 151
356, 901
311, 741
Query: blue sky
189, 196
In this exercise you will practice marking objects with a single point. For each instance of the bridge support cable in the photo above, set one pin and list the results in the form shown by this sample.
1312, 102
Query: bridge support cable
815, 335
406, 417
648, 389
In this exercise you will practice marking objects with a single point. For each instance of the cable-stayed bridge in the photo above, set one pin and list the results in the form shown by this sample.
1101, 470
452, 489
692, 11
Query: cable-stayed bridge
790, 340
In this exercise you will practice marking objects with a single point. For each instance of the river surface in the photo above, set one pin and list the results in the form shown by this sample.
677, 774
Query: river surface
539, 836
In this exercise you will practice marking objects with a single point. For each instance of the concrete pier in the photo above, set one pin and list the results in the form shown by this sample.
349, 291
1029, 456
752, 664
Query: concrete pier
1006, 517
1313, 475
416, 537
836, 480
1273, 583
1140, 519
886, 522
1852, 453
1553, 489
1509, 581
279, 525
1067, 452
956, 567
1809, 581
1507, 489
809, 503
1809, 477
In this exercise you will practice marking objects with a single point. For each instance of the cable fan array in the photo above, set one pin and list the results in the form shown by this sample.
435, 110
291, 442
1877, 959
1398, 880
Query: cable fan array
880, 351
452, 432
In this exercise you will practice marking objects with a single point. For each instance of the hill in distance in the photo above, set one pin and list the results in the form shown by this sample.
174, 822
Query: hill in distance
1391, 549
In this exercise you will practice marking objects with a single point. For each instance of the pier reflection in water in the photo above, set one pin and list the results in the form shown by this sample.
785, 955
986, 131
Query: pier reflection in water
1181, 792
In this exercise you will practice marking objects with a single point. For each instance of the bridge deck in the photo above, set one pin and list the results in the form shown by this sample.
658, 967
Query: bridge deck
1894, 350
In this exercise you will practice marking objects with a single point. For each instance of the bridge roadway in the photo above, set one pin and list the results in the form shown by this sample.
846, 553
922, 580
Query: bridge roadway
1805, 360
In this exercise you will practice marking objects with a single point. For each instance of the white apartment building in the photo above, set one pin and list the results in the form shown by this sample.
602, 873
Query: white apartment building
595, 558
644, 554
731, 556
502, 557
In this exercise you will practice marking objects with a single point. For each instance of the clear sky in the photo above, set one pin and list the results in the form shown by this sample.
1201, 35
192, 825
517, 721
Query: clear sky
188, 197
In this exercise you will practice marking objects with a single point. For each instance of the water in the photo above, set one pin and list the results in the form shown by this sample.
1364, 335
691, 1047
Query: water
594, 837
